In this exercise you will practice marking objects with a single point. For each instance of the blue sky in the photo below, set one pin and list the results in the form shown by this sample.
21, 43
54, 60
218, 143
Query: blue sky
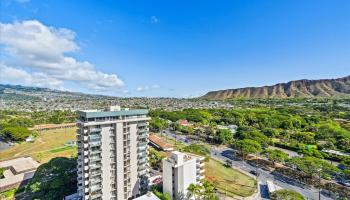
177, 48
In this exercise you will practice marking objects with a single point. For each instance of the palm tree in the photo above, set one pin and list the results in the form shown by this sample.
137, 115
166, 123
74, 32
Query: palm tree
193, 190
209, 189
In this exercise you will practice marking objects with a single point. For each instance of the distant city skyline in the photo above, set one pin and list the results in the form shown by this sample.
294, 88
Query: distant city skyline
171, 49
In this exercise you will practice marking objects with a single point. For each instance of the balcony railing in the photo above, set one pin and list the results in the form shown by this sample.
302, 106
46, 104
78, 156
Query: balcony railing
96, 196
95, 166
95, 158
95, 130
95, 137
141, 168
96, 187
95, 143
143, 161
96, 172
96, 180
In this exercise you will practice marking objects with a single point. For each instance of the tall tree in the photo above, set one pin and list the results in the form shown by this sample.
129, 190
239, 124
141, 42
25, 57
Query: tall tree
247, 146
194, 191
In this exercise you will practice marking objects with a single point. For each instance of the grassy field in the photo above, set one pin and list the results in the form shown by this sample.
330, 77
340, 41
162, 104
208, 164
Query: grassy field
48, 145
229, 181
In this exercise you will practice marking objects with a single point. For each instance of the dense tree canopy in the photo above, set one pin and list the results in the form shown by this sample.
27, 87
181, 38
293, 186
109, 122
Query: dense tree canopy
286, 195
292, 126
53, 180
158, 124
247, 146
16, 133
225, 136
312, 166
276, 155
155, 158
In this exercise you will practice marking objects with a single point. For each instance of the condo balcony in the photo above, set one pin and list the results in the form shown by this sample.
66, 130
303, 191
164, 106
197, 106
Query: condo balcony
95, 137
141, 149
200, 177
95, 144
92, 130
95, 187
142, 173
95, 180
96, 196
200, 164
142, 161
94, 152
140, 168
95, 158
95, 166
96, 172
142, 154
142, 144
144, 136
201, 171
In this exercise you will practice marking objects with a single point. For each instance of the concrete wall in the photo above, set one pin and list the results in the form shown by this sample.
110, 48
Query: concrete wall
133, 159
167, 177
106, 161
120, 161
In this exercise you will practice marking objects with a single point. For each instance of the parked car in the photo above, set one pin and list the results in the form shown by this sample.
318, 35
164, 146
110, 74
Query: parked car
253, 172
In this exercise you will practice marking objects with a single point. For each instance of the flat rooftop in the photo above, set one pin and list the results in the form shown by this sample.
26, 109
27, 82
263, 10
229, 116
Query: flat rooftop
17, 171
148, 196
20, 165
115, 113
159, 142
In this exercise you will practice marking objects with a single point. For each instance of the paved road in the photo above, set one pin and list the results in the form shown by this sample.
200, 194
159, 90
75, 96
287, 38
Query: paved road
263, 176
4, 145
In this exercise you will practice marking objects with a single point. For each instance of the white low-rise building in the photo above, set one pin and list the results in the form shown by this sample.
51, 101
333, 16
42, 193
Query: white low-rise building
179, 171
17, 171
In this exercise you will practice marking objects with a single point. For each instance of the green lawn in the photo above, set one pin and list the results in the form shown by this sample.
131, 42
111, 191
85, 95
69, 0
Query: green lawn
229, 181
48, 145
9, 194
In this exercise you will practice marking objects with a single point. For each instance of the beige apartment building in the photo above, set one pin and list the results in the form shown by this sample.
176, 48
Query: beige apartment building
112, 153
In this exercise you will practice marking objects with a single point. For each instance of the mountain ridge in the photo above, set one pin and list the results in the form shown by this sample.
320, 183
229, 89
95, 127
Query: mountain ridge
303, 88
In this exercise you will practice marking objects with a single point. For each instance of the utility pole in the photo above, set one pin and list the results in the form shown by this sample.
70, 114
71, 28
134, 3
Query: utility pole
256, 165
319, 183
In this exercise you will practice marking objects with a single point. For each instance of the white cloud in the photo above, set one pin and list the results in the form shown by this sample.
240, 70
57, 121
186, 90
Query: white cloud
13, 75
141, 89
155, 86
40, 49
145, 88
154, 19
